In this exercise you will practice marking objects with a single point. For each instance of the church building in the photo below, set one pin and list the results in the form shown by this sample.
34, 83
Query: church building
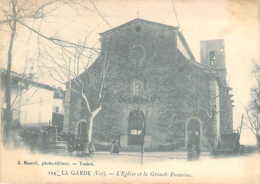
152, 77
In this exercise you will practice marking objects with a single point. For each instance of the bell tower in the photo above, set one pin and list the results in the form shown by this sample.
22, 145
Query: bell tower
212, 53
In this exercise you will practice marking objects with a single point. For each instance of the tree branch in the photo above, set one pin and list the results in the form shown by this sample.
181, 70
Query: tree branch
56, 41
85, 99
100, 14
5, 21
96, 111
252, 125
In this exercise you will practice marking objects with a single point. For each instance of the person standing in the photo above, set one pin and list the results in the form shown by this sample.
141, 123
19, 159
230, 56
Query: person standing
197, 144
115, 147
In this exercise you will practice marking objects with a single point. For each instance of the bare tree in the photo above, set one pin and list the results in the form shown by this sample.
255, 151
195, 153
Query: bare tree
72, 71
17, 12
254, 125
253, 110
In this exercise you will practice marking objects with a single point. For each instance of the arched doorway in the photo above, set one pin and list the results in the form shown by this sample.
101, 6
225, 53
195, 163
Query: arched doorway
193, 131
136, 127
82, 130
81, 135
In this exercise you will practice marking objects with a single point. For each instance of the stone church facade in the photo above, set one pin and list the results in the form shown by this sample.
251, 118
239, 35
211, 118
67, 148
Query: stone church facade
152, 71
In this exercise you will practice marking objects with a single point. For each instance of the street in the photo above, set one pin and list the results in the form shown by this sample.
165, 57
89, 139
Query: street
159, 166
148, 156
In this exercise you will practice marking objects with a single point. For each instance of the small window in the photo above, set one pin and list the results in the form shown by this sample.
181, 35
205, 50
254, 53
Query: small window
138, 88
212, 57
56, 109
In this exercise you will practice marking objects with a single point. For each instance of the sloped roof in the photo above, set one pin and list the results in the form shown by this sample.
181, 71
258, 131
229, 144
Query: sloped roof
23, 78
138, 20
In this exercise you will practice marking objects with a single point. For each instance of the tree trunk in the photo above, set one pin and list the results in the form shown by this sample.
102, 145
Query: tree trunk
8, 110
93, 114
258, 142
90, 130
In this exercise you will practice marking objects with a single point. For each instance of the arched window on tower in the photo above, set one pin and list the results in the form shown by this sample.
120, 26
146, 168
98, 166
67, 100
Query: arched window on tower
212, 58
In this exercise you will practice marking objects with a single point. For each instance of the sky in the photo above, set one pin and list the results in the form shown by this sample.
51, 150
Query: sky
235, 21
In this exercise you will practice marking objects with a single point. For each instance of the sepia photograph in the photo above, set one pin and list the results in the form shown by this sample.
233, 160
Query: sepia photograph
120, 91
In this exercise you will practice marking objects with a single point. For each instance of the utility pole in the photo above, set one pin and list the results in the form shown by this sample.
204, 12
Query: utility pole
241, 124
142, 153
8, 119
142, 144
